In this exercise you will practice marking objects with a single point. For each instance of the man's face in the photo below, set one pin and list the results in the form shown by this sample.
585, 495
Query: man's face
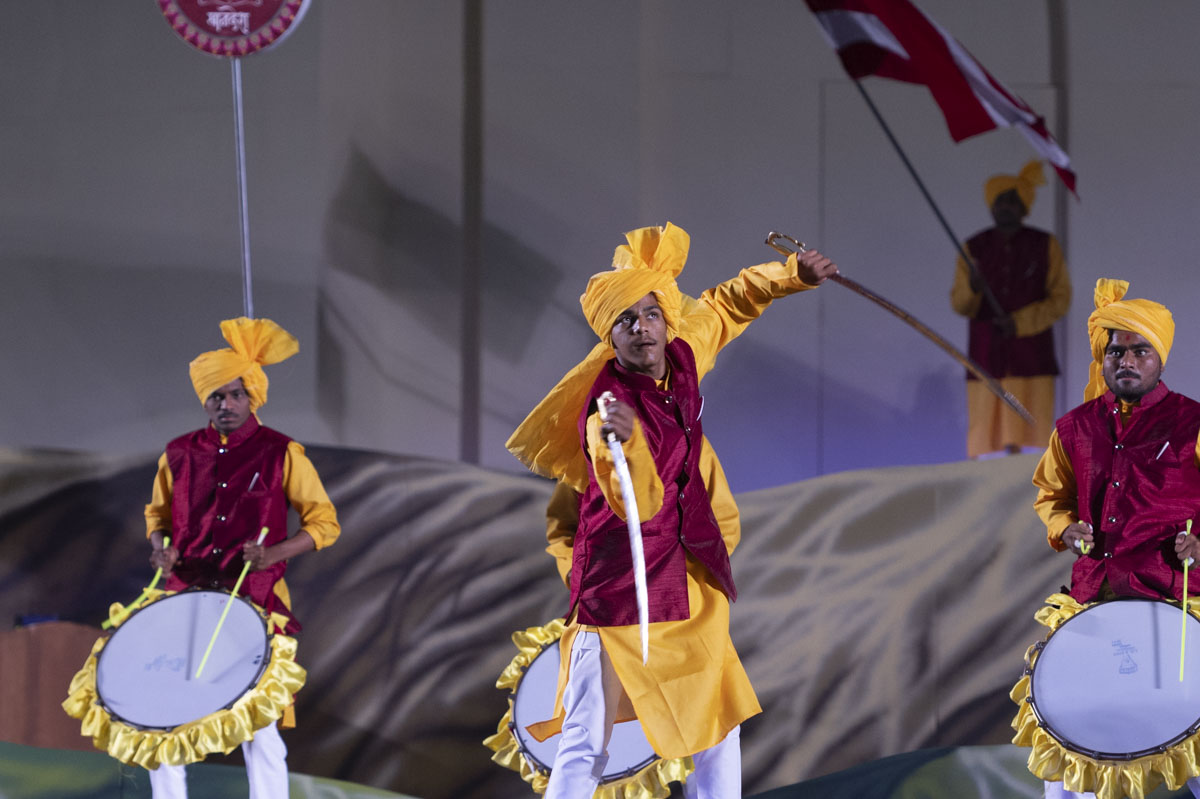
640, 338
228, 407
1008, 210
1131, 365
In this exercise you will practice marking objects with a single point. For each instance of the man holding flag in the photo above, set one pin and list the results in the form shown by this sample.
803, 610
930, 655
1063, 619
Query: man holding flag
1013, 291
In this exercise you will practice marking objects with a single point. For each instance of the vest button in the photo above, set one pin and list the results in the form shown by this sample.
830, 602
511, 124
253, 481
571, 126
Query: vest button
1116, 483
223, 485
220, 518
1108, 554
1119, 446
216, 550
1111, 519
221, 451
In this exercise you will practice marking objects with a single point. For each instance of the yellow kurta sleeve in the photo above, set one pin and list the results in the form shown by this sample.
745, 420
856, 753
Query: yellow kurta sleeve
562, 520
1038, 316
306, 494
647, 485
158, 512
719, 315
1057, 502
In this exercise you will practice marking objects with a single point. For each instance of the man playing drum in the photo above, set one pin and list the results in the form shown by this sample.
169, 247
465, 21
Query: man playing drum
215, 490
1121, 476
656, 344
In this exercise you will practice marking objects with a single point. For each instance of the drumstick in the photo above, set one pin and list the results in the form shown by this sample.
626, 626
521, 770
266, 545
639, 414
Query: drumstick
130, 608
225, 612
1183, 635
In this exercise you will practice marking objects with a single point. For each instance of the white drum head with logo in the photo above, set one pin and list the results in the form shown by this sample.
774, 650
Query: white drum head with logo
628, 751
146, 673
1106, 683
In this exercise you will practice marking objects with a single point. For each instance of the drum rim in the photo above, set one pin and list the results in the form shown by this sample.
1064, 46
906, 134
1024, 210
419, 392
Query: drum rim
505, 743
1066, 742
262, 666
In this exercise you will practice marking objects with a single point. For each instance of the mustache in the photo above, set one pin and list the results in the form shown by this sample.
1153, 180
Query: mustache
1126, 373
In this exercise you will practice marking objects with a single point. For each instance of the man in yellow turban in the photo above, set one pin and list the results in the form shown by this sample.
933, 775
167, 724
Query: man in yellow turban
655, 346
216, 489
1120, 480
1023, 269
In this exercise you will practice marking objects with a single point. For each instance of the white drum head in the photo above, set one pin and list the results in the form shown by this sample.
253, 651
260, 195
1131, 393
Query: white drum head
146, 672
1106, 683
628, 751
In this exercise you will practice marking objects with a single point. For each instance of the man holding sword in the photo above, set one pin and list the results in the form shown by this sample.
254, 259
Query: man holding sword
691, 693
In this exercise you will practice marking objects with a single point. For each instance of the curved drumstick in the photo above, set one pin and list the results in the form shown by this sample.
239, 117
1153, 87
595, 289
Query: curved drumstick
132, 606
992, 383
633, 523
225, 612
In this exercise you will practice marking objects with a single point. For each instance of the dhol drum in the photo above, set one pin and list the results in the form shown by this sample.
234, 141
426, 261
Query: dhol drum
532, 678
1105, 687
140, 685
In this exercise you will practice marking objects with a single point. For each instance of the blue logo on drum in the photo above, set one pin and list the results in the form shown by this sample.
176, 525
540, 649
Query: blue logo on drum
1123, 651
163, 662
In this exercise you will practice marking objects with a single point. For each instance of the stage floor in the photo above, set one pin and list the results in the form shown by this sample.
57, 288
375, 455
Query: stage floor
970, 772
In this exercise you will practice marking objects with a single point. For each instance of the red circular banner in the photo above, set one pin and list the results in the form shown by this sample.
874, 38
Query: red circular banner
233, 28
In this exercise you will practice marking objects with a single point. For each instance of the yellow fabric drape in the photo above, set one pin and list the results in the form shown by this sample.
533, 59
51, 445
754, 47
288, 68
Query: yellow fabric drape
547, 442
1026, 182
1147, 318
252, 344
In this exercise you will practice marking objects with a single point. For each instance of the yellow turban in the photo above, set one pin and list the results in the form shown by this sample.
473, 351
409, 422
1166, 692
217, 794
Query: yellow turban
548, 440
252, 343
649, 263
1025, 183
1147, 318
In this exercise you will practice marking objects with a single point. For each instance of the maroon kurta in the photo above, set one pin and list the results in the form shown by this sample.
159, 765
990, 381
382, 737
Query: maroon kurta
1015, 269
1137, 486
602, 567
222, 496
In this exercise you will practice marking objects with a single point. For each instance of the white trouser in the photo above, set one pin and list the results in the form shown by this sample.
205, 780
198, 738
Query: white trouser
266, 768
590, 703
1055, 790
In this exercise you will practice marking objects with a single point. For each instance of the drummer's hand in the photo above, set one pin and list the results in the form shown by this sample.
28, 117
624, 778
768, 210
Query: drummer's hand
256, 556
164, 558
620, 421
1077, 534
1187, 546
813, 268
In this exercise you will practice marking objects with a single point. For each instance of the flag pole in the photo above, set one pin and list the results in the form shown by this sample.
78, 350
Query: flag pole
992, 302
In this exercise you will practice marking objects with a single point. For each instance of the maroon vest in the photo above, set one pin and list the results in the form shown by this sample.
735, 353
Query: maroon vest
223, 495
602, 567
1015, 269
1137, 487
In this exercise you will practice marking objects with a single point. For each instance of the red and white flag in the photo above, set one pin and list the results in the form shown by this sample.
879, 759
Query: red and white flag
895, 39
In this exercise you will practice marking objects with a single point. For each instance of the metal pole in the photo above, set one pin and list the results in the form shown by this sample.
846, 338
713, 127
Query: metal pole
993, 303
471, 340
243, 213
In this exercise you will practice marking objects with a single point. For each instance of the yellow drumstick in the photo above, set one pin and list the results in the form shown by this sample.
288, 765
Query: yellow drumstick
1183, 635
225, 612
131, 607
